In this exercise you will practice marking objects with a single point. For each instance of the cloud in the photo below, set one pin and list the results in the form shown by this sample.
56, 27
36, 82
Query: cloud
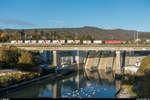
17, 22
57, 23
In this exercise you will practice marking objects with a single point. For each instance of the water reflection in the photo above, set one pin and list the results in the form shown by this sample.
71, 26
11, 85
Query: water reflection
80, 84
57, 90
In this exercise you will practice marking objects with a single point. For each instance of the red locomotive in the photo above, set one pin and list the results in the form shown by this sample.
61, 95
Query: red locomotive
112, 42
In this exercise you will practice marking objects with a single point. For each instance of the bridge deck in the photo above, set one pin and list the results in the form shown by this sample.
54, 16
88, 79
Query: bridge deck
126, 47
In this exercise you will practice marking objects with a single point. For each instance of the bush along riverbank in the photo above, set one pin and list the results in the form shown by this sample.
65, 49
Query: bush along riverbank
16, 77
32, 77
138, 84
19, 66
12, 57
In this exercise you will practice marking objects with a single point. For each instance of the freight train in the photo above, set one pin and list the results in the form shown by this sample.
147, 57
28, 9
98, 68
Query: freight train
66, 42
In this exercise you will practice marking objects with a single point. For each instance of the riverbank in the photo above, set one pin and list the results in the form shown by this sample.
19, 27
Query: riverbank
66, 71
128, 85
138, 84
126, 92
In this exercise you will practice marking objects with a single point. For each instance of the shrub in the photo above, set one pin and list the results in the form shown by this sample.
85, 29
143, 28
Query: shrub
25, 58
7, 80
145, 66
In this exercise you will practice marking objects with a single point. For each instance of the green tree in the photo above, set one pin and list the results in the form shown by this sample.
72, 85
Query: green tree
23, 35
3, 55
8, 55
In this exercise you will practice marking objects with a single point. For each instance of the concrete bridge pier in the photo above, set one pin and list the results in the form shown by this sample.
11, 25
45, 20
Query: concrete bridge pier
77, 57
118, 63
56, 59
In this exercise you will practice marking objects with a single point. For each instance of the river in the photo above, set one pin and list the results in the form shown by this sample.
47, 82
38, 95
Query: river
80, 84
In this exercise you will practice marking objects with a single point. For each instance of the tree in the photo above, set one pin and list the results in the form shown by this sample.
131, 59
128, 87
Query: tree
22, 35
15, 36
68, 37
34, 34
55, 36
8, 55
3, 55
88, 37
12, 56
1, 31
25, 58
3, 36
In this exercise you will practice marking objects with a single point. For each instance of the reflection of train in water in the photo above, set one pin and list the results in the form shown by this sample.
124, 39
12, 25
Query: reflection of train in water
66, 42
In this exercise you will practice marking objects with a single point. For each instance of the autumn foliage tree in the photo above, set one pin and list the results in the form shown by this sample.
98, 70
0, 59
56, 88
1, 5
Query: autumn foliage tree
25, 58
15, 36
3, 36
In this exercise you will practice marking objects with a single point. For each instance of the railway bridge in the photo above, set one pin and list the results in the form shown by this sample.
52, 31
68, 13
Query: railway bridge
86, 47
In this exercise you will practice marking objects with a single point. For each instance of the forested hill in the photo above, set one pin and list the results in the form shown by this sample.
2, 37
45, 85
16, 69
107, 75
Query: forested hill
92, 32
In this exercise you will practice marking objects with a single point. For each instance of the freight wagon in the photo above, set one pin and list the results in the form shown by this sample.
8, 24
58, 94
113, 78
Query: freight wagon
97, 41
27, 41
13, 42
87, 41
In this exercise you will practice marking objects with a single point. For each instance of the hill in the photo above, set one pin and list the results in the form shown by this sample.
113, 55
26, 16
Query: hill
94, 32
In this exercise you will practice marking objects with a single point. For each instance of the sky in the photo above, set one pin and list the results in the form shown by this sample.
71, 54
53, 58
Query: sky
107, 14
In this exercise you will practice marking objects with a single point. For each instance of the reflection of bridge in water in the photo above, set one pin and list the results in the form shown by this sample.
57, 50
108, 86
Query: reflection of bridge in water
103, 77
78, 81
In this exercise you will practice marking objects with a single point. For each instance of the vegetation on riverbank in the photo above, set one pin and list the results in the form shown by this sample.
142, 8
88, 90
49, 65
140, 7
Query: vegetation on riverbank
145, 66
143, 82
139, 83
130, 87
16, 77
11, 57
25, 64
